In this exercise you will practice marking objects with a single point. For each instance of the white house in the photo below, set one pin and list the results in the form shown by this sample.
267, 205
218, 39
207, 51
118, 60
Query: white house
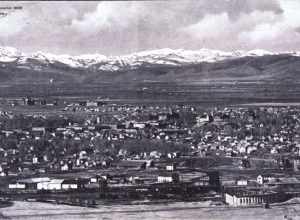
139, 125
91, 104
242, 182
93, 180
164, 179
162, 117
264, 179
42, 185
202, 119
54, 184
170, 167
17, 186
168, 178
69, 184
64, 167
35, 160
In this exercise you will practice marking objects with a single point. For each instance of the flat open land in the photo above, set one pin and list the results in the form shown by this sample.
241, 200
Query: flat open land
209, 93
179, 210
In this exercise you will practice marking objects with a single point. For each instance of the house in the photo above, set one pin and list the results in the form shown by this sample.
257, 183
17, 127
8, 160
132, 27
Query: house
54, 184
35, 160
171, 167
98, 178
94, 179
69, 184
139, 125
17, 186
265, 179
242, 182
64, 167
91, 104
205, 118
168, 178
162, 117
38, 132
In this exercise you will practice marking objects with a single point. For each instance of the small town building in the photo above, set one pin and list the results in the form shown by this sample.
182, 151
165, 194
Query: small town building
17, 186
249, 197
69, 184
168, 178
28, 184
75, 183
54, 184
64, 167
91, 104
139, 125
171, 167
242, 182
132, 164
38, 131
262, 179
35, 160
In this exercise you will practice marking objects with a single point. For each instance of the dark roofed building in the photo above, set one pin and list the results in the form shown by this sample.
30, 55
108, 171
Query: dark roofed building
132, 164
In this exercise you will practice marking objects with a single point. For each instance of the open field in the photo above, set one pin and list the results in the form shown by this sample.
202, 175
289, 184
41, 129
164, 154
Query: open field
195, 210
208, 94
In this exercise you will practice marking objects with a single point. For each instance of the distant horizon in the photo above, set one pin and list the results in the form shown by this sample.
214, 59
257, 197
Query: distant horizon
150, 50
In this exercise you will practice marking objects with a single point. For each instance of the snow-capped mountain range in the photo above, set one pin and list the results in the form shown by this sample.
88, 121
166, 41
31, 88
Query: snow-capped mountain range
98, 62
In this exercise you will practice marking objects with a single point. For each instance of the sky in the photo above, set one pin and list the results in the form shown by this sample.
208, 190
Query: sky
116, 28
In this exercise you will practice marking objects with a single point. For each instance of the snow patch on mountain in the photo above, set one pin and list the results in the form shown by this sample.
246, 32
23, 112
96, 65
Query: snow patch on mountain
9, 54
259, 52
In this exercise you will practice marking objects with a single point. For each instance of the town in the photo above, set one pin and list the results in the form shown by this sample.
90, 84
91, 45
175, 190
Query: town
81, 152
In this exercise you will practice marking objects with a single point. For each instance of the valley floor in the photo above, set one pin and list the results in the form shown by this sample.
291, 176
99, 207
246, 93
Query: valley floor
174, 211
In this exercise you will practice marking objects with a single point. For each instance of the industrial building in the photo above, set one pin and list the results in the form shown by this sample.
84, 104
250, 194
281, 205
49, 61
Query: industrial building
252, 196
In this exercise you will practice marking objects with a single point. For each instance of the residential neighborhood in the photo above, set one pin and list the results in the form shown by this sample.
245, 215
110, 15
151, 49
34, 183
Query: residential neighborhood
113, 150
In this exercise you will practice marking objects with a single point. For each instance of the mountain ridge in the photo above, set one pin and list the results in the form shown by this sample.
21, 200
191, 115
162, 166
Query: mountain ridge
164, 56
164, 65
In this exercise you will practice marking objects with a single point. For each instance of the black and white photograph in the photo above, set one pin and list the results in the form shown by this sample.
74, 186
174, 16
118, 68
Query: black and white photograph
153, 110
